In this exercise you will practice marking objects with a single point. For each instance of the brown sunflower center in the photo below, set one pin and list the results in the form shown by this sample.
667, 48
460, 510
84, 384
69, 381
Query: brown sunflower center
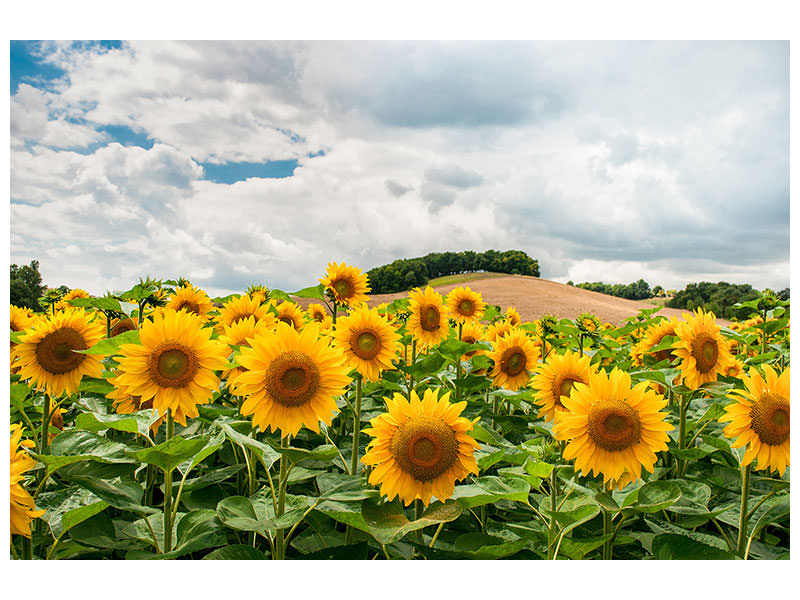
344, 288
513, 361
122, 327
429, 318
469, 339
614, 425
705, 352
769, 418
292, 379
55, 352
172, 365
466, 307
424, 447
190, 306
318, 315
365, 344
563, 387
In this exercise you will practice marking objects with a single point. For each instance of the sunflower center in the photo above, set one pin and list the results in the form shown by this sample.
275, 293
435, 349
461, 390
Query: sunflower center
430, 318
190, 306
469, 339
705, 352
513, 361
344, 289
466, 308
769, 418
122, 327
292, 379
172, 365
365, 344
424, 447
614, 425
55, 352
563, 389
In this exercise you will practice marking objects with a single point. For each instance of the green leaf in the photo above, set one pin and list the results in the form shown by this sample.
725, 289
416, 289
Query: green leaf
654, 496
125, 495
77, 515
279, 295
343, 488
18, 393
348, 552
481, 546
670, 546
486, 490
569, 519
110, 347
170, 454
94, 385
454, 349
235, 552
212, 445
314, 291
262, 450
348, 513
387, 521
74, 446
138, 422
58, 502
242, 514
427, 365
102, 303
324, 453
197, 530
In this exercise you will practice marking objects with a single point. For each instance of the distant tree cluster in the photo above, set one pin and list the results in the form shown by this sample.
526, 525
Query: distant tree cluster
406, 273
26, 286
638, 290
716, 297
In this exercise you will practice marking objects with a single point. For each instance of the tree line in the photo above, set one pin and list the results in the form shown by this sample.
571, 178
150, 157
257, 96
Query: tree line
718, 298
638, 290
406, 273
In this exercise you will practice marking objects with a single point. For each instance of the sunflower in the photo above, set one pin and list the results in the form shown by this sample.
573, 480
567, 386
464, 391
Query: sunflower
23, 509
241, 333
465, 305
653, 336
472, 333
71, 295
427, 323
612, 428
290, 313
514, 357
347, 285
46, 354
367, 341
192, 300
124, 404
420, 447
242, 307
760, 418
292, 379
512, 316
21, 318
316, 312
259, 292
124, 326
557, 378
174, 363
734, 369
703, 353
587, 323
498, 329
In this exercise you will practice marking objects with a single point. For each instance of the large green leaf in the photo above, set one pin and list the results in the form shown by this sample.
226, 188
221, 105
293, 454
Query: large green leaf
262, 450
235, 552
652, 497
486, 490
324, 453
58, 502
425, 365
241, 513
138, 422
171, 453
73, 446
122, 494
78, 515
314, 291
111, 346
343, 488
388, 523
671, 546
481, 546
197, 530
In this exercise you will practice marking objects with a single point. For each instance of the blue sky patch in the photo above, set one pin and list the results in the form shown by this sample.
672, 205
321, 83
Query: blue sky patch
126, 136
239, 171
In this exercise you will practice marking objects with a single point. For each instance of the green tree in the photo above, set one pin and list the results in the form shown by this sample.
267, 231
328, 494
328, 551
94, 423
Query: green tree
26, 286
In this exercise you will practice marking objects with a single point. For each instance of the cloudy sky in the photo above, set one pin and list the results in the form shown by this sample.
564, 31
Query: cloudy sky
232, 163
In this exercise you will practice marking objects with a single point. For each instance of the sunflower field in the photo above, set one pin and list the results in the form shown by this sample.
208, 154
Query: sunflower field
159, 423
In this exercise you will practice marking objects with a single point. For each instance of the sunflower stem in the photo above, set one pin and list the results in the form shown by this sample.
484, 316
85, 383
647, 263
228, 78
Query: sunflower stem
417, 517
458, 366
413, 359
43, 439
551, 530
483, 518
743, 514
27, 548
607, 531
356, 427
168, 489
280, 541
681, 462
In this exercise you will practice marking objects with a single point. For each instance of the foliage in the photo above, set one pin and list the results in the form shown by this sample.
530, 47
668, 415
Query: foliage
638, 290
404, 274
26, 286
718, 298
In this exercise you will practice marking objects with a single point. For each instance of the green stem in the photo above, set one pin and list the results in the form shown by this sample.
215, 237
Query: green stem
27, 548
607, 531
483, 518
280, 541
417, 517
495, 408
356, 427
551, 530
681, 462
458, 366
43, 439
580, 343
413, 359
168, 490
436, 535
743, 515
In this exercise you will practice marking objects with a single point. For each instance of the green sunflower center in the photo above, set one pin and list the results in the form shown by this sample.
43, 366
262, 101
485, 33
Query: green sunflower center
513, 361
365, 344
292, 379
466, 307
769, 418
55, 352
430, 318
614, 425
344, 288
424, 447
172, 365
705, 352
